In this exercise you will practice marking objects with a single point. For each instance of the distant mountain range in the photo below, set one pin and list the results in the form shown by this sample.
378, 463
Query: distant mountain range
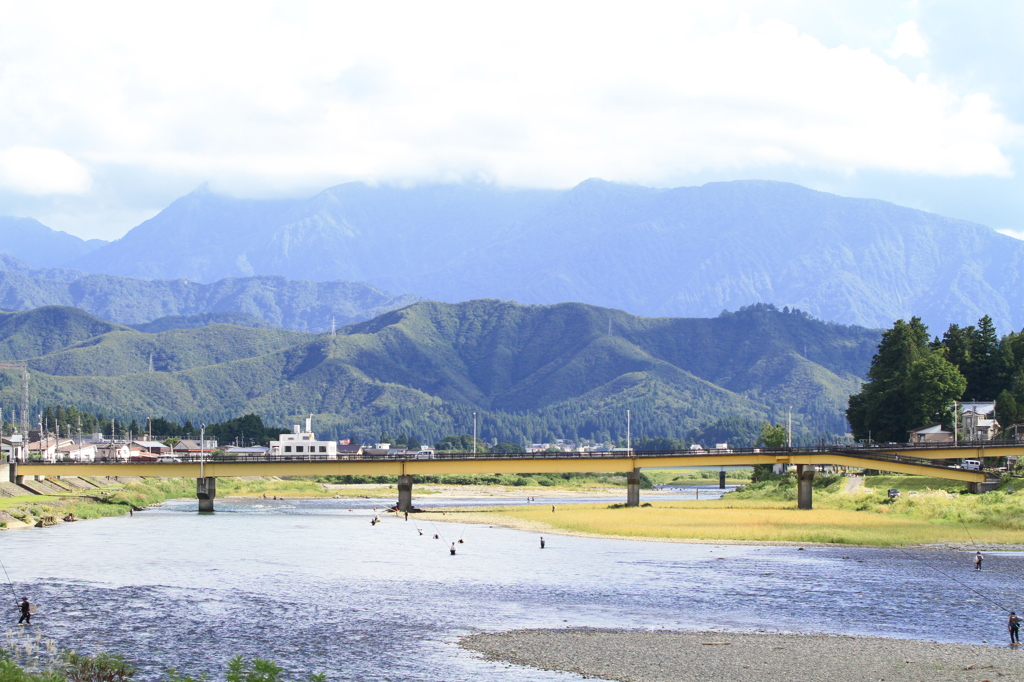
159, 305
682, 251
532, 373
38, 246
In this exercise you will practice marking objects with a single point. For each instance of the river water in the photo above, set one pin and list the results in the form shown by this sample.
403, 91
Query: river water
312, 585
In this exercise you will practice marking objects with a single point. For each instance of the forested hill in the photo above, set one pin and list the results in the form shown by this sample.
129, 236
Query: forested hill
532, 373
690, 251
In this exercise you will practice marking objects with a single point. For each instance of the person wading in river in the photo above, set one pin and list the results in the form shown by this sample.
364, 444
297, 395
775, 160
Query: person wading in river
453, 549
26, 611
977, 561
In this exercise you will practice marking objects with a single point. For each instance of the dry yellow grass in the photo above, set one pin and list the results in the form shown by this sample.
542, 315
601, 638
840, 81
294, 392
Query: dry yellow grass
739, 520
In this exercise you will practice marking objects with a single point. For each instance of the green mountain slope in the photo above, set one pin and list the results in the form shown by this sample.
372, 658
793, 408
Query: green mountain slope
25, 335
530, 373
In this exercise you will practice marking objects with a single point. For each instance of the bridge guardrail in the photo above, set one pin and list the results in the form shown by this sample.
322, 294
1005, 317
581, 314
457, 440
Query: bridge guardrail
874, 453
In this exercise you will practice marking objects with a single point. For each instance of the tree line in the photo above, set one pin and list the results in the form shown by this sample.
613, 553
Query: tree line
914, 379
68, 421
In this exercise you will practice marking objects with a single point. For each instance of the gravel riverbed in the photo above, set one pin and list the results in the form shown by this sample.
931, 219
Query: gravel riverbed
644, 656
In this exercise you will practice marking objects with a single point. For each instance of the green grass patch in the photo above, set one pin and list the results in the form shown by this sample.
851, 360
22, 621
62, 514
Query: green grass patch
905, 483
23, 500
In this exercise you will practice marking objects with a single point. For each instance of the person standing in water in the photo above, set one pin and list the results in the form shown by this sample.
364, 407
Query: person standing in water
542, 542
1014, 627
453, 549
26, 611
977, 561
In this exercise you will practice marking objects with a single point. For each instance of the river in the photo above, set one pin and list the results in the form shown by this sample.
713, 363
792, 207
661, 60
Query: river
311, 585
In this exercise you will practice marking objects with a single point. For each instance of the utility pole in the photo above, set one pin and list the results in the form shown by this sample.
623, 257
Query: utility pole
24, 402
474, 433
956, 425
629, 444
789, 429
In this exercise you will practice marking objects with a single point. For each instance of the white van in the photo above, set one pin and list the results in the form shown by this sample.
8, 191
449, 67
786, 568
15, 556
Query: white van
972, 465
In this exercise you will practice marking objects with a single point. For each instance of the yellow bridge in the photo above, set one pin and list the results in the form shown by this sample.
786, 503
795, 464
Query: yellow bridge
905, 459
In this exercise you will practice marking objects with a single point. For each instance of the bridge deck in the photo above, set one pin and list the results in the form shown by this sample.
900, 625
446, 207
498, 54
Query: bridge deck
901, 459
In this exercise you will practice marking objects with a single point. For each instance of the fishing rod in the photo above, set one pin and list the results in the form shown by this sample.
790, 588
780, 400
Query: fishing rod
950, 577
960, 517
13, 593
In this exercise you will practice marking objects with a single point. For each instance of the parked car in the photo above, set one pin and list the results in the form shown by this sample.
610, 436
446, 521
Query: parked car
894, 493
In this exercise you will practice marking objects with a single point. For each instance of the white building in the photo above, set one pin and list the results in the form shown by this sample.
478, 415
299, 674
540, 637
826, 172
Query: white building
79, 452
303, 443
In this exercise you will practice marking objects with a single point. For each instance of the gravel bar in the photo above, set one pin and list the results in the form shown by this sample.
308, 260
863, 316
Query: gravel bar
642, 656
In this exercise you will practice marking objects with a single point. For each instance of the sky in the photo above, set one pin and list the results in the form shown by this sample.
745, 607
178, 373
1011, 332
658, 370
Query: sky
111, 110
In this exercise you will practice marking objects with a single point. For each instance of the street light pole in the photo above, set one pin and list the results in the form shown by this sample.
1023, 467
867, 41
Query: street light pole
202, 446
629, 444
474, 433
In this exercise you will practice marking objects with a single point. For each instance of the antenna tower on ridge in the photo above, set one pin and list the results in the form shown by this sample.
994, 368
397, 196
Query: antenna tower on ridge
334, 329
150, 362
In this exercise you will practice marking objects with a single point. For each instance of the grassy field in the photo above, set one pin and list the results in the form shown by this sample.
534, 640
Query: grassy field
766, 512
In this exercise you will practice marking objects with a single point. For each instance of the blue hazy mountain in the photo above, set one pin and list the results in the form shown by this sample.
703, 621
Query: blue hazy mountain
159, 305
38, 246
687, 251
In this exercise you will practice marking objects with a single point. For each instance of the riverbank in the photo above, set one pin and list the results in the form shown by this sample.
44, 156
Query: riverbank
645, 656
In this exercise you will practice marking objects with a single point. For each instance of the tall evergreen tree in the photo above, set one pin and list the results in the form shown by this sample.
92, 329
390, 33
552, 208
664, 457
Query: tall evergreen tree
908, 383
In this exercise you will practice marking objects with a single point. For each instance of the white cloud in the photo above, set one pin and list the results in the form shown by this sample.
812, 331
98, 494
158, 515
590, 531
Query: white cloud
260, 95
1016, 234
908, 41
37, 171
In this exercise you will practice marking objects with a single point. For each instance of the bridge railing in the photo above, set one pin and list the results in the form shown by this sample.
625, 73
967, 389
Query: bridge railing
876, 453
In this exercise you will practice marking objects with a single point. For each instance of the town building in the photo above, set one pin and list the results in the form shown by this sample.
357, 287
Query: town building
152, 447
13, 447
111, 452
78, 452
978, 421
303, 443
933, 433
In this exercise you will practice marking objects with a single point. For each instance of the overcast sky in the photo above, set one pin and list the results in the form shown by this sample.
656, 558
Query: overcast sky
109, 111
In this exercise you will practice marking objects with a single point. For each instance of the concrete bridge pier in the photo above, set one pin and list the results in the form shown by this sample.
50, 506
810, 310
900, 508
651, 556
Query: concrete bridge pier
633, 488
804, 480
206, 490
721, 479
404, 493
